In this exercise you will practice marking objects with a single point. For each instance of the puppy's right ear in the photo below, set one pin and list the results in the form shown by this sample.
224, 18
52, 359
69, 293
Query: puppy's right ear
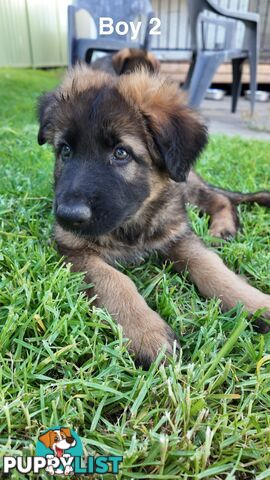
46, 105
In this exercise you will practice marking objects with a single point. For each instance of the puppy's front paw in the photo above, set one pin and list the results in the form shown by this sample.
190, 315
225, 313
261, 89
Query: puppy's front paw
153, 339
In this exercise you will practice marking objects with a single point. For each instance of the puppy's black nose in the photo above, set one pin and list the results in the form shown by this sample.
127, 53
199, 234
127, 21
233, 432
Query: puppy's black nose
75, 213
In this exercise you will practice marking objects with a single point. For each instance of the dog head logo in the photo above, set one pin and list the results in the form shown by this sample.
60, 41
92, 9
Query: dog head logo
59, 445
58, 441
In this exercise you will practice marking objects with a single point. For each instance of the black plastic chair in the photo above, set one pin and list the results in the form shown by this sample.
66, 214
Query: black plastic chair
118, 10
205, 61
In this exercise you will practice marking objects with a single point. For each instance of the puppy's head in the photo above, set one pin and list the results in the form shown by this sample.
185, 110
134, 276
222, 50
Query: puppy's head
128, 60
114, 138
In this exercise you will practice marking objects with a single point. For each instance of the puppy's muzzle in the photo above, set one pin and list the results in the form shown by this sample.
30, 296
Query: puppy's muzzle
75, 214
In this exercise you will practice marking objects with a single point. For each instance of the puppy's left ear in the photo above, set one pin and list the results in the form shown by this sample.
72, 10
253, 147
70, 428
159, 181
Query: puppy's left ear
177, 136
46, 105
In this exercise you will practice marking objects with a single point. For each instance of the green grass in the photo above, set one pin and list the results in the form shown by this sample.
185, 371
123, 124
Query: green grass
204, 416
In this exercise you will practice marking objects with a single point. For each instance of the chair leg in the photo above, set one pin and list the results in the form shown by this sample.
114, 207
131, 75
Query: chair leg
204, 70
253, 60
186, 83
237, 66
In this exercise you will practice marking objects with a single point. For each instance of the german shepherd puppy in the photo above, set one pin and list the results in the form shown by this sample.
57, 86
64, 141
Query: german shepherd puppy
124, 147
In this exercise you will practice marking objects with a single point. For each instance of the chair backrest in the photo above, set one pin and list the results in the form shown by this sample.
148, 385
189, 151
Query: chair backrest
118, 10
194, 9
223, 31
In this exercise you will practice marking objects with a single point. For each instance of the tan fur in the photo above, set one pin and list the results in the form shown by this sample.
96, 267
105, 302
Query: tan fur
82, 78
69, 239
154, 96
136, 144
129, 172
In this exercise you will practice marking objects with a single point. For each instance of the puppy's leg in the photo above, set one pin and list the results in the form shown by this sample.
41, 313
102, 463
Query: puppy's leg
223, 214
214, 279
144, 327
221, 204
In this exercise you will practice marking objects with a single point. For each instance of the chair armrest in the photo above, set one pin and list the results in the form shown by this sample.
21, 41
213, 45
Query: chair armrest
216, 21
246, 17
227, 23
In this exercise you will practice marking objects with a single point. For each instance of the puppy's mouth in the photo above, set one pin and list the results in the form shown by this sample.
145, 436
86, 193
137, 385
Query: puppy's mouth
59, 452
75, 227
93, 230
99, 224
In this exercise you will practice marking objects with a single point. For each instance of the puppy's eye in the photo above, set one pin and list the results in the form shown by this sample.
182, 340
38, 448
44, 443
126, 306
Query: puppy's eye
120, 154
65, 152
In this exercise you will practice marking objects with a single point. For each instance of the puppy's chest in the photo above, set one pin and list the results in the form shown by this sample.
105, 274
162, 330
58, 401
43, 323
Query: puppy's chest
132, 246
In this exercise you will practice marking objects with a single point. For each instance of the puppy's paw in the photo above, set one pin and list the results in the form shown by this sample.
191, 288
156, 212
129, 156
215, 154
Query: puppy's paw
262, 324
153, 340
226, 232
224, 223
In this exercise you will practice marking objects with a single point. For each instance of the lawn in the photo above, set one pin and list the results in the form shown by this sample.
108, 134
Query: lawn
206, 415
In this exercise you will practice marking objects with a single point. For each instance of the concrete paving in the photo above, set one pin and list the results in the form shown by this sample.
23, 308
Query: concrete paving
219, 118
